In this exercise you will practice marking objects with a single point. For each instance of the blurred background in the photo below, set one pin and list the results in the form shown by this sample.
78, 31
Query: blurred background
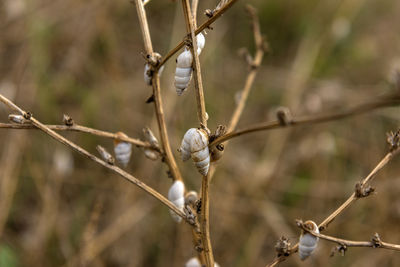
83, 58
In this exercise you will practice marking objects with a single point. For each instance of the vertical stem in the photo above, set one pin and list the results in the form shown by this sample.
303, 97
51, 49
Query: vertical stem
163, 129
205, 221
201, 108
144, 27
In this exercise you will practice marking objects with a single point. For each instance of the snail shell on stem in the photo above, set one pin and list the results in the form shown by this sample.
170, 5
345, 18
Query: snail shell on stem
176, 196
122, 150
195, 145
308, 243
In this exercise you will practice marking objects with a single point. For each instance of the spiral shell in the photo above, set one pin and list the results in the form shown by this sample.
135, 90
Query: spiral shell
308, 243
183, 72
195, 145
17, 119
194, 262
176, 196
150, 154
149, 136
122, 150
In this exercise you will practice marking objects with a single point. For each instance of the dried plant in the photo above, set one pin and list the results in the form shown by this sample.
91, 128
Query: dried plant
205, 146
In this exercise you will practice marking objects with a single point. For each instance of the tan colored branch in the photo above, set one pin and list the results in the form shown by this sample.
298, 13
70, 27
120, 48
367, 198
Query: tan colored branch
254, 65
169, 157
203, 26
375, 242
205, 219
144, 27
389, 101
82, 151
322, 226
198, 83
83, 129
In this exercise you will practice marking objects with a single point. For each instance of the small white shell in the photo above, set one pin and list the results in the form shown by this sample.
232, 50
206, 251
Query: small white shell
17, 119
196, 141
122, 150
176, 196
308, 243
183, 72
150, 154
194, 262
201, 41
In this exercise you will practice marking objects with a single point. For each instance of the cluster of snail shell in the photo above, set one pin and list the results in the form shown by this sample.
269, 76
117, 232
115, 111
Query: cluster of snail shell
183, 72
308, 243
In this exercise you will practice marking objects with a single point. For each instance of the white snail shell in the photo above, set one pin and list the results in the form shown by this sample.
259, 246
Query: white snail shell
17, 119
176, 196
183, 72
122, 150
150, 154
148, 134
308, 243
195, 145
201, 41
194, 262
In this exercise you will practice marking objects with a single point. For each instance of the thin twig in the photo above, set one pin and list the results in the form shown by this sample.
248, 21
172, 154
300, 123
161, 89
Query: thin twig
256, 62
83, 129
375, 242
169, 157
322, 226
198, 83
203, 26
205, 219
144, 27
82, 151
389, 101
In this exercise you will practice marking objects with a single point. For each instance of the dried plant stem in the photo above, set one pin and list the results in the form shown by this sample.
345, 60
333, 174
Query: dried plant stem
82, 151
344, 243
203, 26
198, 83
205, 219
322, 226
144, 27
256, 62
169, 157
308, 120
83, 129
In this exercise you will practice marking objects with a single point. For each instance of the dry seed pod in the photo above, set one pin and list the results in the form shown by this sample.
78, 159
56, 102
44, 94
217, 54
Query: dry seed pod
194, 262
195, 145
105, 155
308, 243
148, 134
122, 150
183, 72
150, 154
17, 119
176, 196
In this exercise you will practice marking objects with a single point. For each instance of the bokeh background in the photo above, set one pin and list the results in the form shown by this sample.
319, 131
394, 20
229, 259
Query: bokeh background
83, 58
